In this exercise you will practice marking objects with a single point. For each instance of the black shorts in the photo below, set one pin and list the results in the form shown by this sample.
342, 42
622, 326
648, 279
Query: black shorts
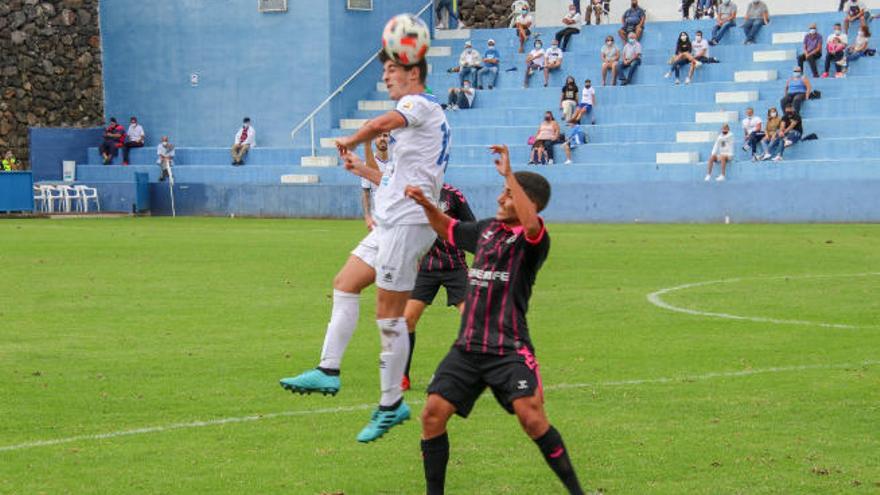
428, 284
462, 376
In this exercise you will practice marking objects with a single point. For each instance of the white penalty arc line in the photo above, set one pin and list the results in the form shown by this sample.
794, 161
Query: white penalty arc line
656, 299
361, 407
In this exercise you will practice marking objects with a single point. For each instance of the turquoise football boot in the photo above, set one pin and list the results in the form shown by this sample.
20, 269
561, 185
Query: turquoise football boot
382, 421
312, 381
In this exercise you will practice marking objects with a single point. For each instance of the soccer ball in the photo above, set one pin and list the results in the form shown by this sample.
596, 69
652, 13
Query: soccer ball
406, 39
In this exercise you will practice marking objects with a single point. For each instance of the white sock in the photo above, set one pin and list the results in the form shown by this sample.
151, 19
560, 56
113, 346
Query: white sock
343, 321
392, 360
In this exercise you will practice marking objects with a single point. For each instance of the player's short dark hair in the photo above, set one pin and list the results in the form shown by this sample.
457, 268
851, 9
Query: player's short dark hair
422, 65
536, 188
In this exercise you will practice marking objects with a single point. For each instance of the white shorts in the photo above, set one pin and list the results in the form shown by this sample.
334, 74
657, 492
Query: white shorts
366, 249
395, 253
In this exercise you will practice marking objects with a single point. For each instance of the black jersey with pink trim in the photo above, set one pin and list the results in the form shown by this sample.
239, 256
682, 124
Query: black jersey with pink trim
500, 282
443, 255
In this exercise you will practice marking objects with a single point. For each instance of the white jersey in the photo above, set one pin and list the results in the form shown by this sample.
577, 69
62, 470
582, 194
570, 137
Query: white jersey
366, 184
419, 154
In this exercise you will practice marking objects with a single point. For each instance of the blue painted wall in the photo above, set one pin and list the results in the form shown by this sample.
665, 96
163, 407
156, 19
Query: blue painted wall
16, 191
50, 146
273, 67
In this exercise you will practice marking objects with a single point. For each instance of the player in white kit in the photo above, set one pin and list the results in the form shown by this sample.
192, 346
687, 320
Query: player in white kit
419, 152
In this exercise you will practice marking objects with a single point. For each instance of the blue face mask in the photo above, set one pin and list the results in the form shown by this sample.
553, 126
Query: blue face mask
796, 75
632, 41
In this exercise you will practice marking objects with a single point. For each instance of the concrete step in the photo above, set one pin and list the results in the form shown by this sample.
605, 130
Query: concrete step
299, 179
319, 161
452, 34
773, 55
796, 37
352, 123
439, 51
678, 158
720, 117
755, 75
376, 105
329, 142
736, 96
695, 136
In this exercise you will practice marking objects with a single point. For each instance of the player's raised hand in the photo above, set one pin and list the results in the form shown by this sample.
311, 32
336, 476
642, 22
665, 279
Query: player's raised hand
416, 194
502, 163
351, 161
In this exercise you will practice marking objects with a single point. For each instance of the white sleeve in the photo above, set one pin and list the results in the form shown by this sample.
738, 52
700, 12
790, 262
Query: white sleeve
414, 109
462, 59
237, 137
252, 138
365, 184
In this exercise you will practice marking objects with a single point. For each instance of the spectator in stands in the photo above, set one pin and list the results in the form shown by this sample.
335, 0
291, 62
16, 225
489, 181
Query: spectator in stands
610, 55
568, 99
721, 152
632, 58
534, 62
705, 8
858, 49
134, 138
683, 56
633, 22
771, 129
797, 90
756, 17
572, 22
725, 20
548, 134
685, 8
595, 8
487, 76
450, 12
835, 50
576, 137
790, 131
10, 164
165, 157
753, 132
588, 101
468, 64
523, 24
461, 98
552, 60
538, 154
812, 51
856, 10
114, 137
245, 139
701, 50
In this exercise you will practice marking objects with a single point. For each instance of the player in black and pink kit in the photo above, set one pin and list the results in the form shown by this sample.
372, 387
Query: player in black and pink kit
443, 265
493, 348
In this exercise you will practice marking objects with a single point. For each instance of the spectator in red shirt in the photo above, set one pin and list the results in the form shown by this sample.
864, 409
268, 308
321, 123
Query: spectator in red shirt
114, 137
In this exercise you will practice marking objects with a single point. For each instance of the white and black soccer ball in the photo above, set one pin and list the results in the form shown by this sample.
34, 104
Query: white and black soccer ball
406, 39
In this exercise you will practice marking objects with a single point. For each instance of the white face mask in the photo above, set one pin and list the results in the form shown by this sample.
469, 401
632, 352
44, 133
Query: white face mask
698, 37
812, 30
682, 38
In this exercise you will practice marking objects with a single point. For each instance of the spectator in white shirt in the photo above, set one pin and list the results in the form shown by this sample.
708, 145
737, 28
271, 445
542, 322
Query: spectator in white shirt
461, 98
835, 50
572, 23
245, 139
134, 138
721, 152
595, 7
165, 157
552, 60
701, 50
523, 24
855, 10
588, 101
630, 61
469, 63
610, 55
753, 132
534, 62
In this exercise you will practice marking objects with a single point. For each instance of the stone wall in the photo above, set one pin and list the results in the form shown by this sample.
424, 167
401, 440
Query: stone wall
487, 13
50, 68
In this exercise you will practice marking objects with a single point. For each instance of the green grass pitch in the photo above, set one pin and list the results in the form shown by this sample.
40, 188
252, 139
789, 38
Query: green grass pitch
149, 326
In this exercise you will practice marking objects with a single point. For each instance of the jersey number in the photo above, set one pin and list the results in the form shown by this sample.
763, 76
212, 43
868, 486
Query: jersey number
443, 159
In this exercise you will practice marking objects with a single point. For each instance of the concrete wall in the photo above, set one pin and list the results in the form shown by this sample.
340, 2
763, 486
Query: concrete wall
49, 147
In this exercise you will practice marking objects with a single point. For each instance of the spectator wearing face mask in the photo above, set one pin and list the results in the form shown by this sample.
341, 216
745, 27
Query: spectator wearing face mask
461, 98
576, 137
633, 21
683, 56
469, 63
812, 50
701, 50
552, 60
752, 132
797, 90
114, 138
790, 131
548, 134
856, 11
568, 100
725, 20
858, 49
756, 17
134, 138
835, 50
165, 157
771, 128
245, 139
722, 152
523, 24
632, 58
534, 62
572, 21
585, 107
596, 8
610, 56
487, 76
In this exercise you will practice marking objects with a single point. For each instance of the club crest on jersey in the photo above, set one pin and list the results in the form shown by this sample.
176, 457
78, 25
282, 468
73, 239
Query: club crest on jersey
488, 234
407, 105
511, 239
522, 385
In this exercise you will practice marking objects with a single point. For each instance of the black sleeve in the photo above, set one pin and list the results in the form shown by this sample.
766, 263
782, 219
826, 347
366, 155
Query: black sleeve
463, 209
466, 235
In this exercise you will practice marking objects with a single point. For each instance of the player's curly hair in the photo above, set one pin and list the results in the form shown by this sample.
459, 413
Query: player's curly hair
536, 188
422, 65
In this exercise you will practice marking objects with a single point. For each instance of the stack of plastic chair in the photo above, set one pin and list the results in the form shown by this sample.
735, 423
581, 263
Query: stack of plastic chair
87, 194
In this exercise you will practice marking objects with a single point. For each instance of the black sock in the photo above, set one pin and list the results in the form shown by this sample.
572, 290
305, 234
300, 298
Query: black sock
328, 371
392, 406
412, 345
557, 457
435, 456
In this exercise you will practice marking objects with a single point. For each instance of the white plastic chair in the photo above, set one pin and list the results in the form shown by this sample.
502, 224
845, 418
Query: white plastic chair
53, 195
40, 199
70, 197
87, 194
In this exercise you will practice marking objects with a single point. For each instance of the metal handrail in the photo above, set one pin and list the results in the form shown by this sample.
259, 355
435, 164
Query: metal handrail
310, 118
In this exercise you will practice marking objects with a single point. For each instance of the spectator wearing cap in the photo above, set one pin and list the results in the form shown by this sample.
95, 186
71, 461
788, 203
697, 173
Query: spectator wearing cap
245, 139
114, 138
164, 157
797, 90
756, 17
571, 20
469, 63
134, 138
487, 76
812, 50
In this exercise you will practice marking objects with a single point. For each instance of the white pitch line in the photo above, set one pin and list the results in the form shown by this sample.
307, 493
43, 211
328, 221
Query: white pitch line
655, 299
361, 407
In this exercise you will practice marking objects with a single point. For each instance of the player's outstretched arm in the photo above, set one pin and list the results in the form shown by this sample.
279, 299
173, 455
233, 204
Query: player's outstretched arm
371, 130
525, 209
355, 165
439, 221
